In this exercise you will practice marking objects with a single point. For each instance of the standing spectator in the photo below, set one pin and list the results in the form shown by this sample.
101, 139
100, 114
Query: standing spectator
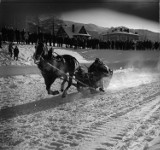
17, 32
11, 34
16, 52
45, 48
4, 34
31, 38
22, 36
10, 48
26, 37
40, 36
0, 40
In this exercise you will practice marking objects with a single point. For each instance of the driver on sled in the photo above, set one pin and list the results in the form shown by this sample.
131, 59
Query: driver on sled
92, 70
83, 75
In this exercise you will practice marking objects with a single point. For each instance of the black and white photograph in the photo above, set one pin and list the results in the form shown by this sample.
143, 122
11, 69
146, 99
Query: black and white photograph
79, 75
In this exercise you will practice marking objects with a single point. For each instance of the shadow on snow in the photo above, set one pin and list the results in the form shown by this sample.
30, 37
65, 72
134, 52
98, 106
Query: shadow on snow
37, 106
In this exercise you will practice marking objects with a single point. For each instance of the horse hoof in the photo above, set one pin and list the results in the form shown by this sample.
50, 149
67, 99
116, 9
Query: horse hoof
53, 92
78, 89
101, 89
64, 95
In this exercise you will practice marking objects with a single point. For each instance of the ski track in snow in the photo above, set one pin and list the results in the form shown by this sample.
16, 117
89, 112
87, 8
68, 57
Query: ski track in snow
125, 117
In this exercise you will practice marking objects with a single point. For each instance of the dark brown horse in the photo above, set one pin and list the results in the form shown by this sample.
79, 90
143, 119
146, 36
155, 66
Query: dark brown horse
55, 67
94, 77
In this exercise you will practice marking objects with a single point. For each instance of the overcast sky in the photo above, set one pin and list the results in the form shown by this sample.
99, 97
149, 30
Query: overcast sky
107, 13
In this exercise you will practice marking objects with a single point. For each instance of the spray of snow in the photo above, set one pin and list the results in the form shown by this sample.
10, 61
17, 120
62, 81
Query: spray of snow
136, 73
158, 65
130, 78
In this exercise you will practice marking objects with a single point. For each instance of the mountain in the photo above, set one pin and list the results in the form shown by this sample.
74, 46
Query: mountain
46, 25
148, 35
89, 27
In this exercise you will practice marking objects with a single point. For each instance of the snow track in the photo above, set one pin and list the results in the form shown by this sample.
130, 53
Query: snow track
122, 118
125, 117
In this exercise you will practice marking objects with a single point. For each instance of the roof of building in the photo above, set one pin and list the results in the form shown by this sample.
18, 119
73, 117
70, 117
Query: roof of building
77, 30
120, 30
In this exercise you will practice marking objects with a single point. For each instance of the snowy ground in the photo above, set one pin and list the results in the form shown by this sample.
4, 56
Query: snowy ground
125, 117
26, 55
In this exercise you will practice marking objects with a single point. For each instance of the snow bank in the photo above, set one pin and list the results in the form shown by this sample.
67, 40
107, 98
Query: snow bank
26, 55
79, 57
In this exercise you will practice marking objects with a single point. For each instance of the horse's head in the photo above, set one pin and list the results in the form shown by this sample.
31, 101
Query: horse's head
38, 52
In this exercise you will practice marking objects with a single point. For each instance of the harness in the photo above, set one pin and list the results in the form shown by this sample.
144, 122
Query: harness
36, 62
87, 76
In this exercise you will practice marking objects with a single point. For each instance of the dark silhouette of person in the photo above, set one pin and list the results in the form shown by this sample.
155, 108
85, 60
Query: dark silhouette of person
16, 52
17, 33
22, 35
10, 48
50, 53
0, 40
92, 68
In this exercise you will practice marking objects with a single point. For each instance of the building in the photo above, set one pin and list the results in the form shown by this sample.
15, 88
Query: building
73, 32
120, 34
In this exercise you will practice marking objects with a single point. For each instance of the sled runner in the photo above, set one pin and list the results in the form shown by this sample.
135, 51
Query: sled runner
93, 78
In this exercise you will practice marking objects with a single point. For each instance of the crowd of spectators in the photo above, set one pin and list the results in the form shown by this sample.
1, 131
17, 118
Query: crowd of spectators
115, 45
26, 37
130, 45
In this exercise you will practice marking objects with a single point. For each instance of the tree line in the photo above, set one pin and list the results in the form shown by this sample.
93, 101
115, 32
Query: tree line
26, 37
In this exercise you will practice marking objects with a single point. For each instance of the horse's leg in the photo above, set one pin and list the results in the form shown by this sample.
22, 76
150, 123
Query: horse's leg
101, 89
78, 87
48, 82
64, 81
101, 86
69, 84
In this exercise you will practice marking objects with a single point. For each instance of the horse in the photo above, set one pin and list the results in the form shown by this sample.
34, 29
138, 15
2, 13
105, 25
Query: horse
55, 67
94, 77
